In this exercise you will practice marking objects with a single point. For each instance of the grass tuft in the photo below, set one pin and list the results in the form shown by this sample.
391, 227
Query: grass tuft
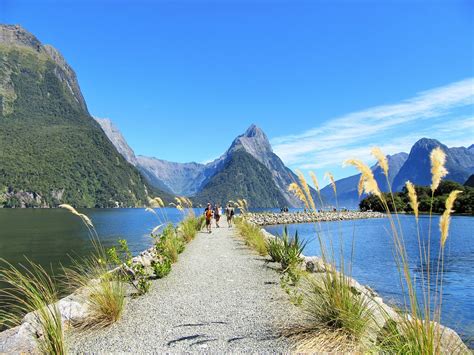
252, 235
31, 289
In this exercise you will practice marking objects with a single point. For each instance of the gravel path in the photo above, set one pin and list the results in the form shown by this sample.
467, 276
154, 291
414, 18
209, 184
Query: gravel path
219, 297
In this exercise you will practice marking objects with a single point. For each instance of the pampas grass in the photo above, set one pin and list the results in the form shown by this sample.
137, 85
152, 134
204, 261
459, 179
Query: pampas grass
306, 189
438, 171
412, 197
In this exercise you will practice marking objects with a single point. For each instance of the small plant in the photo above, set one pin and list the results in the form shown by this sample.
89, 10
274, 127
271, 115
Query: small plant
275, 249
134, 273
169, 243
161, 268
291, 249
31, 289
332, 303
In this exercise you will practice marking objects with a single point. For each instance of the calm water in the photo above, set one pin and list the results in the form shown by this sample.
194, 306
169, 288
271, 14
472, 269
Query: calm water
51, 236
373, 262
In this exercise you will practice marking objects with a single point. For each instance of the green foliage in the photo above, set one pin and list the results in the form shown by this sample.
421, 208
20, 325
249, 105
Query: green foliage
332, 303
252, 235
463, 204
243, 176
291, 250
134, 274
169, 243
50, 146
161, 268
275, 249
190, 226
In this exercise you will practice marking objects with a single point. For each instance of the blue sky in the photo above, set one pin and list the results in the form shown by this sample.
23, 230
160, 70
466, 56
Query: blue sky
325, 80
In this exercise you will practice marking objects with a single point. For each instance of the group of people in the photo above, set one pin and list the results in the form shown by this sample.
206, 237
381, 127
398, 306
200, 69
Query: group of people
216, 212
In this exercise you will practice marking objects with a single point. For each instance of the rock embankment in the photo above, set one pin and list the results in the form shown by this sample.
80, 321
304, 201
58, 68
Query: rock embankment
270, 218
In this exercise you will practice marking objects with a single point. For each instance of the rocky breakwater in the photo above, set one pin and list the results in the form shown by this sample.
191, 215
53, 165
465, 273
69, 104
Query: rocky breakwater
271, 218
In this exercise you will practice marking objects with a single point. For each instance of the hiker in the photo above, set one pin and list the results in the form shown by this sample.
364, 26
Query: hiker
229, 212
208, 215
217, 214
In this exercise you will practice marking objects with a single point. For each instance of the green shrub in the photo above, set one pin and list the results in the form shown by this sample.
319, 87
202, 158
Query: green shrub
169, 244
161, 268
134, 274
291, 250
275, 249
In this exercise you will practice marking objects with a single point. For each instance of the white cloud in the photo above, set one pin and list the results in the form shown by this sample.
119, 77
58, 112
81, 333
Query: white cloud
435, 113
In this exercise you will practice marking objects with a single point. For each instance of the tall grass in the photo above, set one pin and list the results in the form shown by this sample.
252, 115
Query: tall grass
104, 291
31, 289
338, 316
252, 236
418, 329
331, 301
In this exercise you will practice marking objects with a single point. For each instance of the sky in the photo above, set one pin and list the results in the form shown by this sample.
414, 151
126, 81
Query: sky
326, 80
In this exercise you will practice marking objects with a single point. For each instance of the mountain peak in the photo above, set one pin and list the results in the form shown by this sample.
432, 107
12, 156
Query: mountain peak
253, 131
253, 141
427, 143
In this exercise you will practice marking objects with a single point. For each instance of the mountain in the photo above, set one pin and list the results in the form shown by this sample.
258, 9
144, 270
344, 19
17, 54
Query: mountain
347, 193
117, 139
414, 166
51, 150
242, 176
194, 179
470, 182
459, 163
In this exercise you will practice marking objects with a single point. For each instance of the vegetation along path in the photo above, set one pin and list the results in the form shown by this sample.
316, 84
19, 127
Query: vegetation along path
220, 296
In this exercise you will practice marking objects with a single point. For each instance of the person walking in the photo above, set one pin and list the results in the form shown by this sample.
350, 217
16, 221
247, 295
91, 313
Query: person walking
217, 214
229, 212
208, 215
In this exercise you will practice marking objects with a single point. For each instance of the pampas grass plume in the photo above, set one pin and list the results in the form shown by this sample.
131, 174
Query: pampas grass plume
438, 171
445, 218
412, 197
368, 182
381, 158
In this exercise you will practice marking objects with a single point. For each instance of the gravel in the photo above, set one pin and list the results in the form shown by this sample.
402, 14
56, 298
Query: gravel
219, 297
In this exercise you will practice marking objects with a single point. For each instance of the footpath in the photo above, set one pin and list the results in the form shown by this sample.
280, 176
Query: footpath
219, 297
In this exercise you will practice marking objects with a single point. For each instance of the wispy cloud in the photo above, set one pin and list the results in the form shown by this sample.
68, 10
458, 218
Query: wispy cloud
445, 113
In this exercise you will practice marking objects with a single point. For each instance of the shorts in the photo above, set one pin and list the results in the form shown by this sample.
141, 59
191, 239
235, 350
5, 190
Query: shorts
217, 217
208, 222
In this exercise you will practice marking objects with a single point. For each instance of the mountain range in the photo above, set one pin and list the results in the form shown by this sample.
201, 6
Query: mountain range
231, 176
53, 151
414, 166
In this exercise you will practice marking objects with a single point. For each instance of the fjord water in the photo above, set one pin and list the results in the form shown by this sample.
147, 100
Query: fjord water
373, 262
51, 237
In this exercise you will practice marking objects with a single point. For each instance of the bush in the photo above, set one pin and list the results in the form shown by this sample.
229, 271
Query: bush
275, 249
291, 249
169, 243
190, 226
161, 268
